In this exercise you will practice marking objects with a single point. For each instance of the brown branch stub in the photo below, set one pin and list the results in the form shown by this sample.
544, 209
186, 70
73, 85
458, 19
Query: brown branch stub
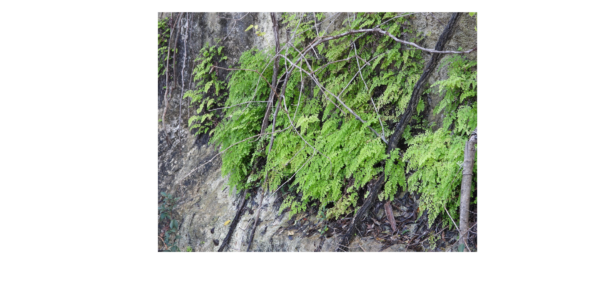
465, 187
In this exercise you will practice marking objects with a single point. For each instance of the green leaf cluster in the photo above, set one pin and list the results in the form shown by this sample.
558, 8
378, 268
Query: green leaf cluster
209, 92
165, 212
163, 44
436, 158
323, 152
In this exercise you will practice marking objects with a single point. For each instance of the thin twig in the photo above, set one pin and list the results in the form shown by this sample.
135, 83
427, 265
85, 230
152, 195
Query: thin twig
378, 30
225, 151
241, 69
166, 246
367, 90
336, 97
245, 103
456, 226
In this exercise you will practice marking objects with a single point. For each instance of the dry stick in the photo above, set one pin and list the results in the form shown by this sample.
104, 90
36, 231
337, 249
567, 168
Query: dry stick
445, 205
234, 222
472, 227
461, 235
214, 66
163, 242
313, 154
288, 114
245, 103
455, 224
465, 188
400, 16
318, 41
338, 98
367, 90
362, 247
314, 79
265, 121
300, 135
289, 160
378, 30
401, 125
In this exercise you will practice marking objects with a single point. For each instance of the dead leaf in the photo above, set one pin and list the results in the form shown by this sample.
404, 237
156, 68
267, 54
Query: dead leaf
375, 221
390, 215
227, 223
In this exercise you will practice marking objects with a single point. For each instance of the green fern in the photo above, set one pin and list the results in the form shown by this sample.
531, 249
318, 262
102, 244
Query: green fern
436, 157
346, 149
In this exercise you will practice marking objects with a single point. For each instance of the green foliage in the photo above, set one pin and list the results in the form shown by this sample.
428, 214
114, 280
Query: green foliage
209, 92
165, 212
336, 155
460, 98
436, 157
163, 45
257, 32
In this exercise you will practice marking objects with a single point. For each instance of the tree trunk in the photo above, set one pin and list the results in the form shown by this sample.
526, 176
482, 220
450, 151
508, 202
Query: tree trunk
465, 188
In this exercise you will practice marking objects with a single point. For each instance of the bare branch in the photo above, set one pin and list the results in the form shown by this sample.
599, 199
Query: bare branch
455, 226
465, 189
336, 97
313, 154
367, 90
245, 103
298, 133
378, 30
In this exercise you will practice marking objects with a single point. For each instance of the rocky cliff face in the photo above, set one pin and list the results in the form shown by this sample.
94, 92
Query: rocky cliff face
204, 204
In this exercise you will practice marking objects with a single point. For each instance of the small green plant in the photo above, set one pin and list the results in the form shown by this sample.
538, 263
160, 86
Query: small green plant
432, 241
188, 249
163, 45
210, 90
323, 230
165, 211
257, 31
